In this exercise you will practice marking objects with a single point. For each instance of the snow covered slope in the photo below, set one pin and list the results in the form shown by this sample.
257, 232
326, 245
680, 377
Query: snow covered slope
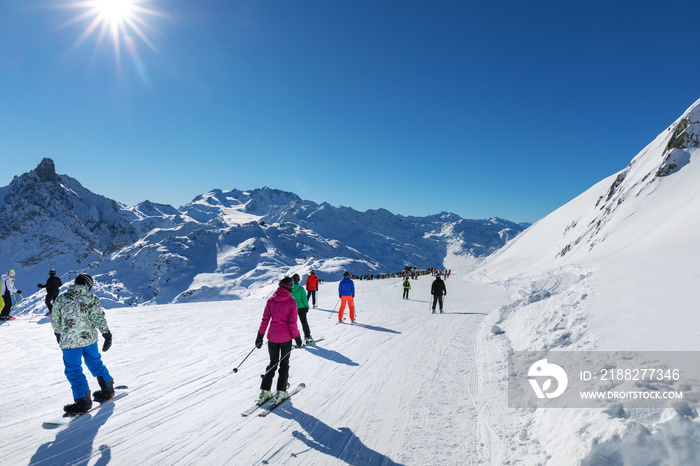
634, 237
401, 387
614, 269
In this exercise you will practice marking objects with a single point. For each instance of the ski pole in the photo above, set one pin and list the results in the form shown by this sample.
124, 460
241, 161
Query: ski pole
17, 303
333, 311
235, 369
277, 363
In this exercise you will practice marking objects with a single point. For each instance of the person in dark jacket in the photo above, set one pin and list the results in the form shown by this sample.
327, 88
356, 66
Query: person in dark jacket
53, 288
438, 290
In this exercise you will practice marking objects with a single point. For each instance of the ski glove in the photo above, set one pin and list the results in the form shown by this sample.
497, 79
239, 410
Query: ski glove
58, 338
108, 341
19, 292
298, 341
259, 341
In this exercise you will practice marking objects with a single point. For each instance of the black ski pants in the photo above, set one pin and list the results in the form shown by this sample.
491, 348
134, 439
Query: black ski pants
279, 352
405, 293
304, 322
311, 294
437, 298
50, 298
8, 304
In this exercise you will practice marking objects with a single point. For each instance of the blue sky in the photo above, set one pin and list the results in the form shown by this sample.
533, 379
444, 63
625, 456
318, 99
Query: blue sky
483, 109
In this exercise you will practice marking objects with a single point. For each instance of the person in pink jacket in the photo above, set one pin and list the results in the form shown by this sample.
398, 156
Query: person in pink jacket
281, 316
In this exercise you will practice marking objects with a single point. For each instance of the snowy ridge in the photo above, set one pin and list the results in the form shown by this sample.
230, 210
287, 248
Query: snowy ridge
223, 245
611, 270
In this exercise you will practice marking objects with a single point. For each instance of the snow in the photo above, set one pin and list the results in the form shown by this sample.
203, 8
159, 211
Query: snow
401, 387
613, 269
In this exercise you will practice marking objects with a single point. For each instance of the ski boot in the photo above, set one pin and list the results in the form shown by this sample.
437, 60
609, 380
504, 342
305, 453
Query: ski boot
281, 395
309, 341
106, 392
264, 396
81, 405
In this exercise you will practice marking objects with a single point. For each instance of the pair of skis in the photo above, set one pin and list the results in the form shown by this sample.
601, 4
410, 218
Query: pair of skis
67, 418
271, 404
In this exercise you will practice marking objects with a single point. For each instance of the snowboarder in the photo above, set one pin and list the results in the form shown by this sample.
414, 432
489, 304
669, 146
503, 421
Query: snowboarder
53, 288
346, 292
312, 287
302, 307
77, 317
8, 287
438, 290
406, 288
281, 315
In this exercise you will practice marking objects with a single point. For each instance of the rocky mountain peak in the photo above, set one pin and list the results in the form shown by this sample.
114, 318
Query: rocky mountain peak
46, 170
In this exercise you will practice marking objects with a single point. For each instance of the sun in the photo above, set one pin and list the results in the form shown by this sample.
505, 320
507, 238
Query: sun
119, 20
114, 11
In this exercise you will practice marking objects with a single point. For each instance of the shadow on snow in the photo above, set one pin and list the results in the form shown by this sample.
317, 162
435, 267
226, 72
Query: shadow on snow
330, 355
339, 443
73, 444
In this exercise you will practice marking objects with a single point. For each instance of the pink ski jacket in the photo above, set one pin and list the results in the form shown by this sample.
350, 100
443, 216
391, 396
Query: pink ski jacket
281, 308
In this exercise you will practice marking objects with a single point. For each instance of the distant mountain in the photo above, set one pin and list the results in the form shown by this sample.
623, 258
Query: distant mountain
222, 245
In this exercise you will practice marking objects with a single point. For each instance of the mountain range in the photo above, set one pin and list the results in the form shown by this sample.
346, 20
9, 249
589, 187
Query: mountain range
222, 245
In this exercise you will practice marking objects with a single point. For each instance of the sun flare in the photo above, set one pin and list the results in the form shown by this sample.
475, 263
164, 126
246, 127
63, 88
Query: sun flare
119, 20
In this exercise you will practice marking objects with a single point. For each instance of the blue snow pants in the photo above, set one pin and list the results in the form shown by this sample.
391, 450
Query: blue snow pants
73, 360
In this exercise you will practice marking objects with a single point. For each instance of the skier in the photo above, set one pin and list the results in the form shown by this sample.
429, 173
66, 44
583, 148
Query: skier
406, 288
281, 315
346, 292
438, 290
76, 319
8, 287
53, 285
302, 307
312, 287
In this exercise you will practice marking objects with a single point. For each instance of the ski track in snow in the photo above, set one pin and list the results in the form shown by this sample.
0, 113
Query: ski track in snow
401, 387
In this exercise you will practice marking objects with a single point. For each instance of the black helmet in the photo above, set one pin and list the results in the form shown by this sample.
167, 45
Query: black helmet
287, 283
346, 274
52, 272
313, 271
296, 278
84, 279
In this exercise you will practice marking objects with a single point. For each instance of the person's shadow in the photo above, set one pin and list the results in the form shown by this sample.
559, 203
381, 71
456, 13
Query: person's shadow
73, 444
375, 328
339, 443
330, 355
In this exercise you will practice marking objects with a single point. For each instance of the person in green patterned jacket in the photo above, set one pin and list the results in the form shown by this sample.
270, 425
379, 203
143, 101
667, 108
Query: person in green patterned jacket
76, 318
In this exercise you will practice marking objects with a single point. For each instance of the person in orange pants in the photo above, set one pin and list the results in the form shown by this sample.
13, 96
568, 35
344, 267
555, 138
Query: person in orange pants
346, 292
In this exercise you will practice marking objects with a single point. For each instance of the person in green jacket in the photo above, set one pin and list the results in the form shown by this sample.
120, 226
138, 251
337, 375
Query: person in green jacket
406, 288
299, 295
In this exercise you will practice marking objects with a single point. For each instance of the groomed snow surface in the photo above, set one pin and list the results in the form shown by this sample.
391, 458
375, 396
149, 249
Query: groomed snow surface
400, 387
